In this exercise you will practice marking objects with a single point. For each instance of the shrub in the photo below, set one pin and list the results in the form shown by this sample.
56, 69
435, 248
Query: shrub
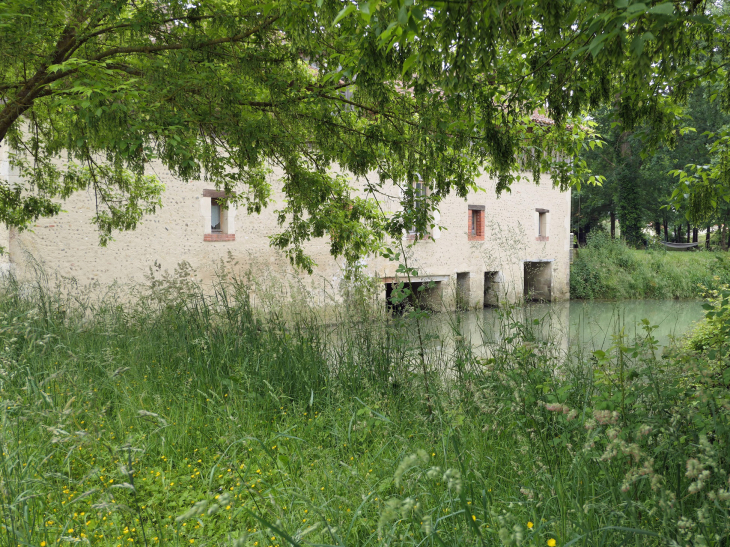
609, 269
623, 448
713, 332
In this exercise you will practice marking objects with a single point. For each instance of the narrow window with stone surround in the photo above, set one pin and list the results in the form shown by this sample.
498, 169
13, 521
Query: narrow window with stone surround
475, 227
419, 197
215, 216
219, 216
542, 225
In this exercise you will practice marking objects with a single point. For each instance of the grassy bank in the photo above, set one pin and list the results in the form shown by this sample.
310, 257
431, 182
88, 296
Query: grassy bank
188, 420
608, 269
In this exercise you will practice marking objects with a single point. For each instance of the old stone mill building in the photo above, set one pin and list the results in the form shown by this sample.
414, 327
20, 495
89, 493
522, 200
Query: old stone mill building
484, 250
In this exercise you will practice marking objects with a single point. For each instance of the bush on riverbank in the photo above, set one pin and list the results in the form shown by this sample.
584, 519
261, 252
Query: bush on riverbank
714, 330
190, 420
609, 269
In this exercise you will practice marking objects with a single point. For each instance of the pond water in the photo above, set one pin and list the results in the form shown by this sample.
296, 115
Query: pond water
588, 325
593, 323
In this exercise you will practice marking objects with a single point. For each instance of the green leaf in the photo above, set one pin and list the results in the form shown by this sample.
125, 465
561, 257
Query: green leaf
667, 8
344, 12
701, 19
409, 62
637, 45
596, 46
639, 7
403, 15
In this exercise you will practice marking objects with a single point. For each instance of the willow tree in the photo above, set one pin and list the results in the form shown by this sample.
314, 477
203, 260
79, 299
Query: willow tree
92, 91
499, 61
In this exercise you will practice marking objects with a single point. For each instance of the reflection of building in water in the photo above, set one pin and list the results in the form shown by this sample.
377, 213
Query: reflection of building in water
560, 328
480, 251
484, 330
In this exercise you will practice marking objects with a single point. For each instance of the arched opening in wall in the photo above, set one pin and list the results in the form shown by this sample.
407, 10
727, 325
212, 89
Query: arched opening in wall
400, 296
492, 281
538, 285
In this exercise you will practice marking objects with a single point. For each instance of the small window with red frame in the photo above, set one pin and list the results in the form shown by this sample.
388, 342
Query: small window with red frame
476, 223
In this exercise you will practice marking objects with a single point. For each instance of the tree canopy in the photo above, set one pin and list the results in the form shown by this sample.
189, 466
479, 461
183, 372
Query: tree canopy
641, 61
638, 186
229, 89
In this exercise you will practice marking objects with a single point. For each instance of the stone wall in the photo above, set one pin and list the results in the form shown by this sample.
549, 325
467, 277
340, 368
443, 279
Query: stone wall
180, 231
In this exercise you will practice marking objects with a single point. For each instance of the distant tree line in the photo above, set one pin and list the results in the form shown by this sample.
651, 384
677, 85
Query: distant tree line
638, 182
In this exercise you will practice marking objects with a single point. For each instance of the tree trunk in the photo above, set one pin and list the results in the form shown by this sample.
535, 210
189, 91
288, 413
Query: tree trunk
658, 228
707, 238
695, 235
689, 233
613, 225
666, 230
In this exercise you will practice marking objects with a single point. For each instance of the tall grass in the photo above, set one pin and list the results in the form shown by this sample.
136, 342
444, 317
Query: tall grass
609, 269
181, 418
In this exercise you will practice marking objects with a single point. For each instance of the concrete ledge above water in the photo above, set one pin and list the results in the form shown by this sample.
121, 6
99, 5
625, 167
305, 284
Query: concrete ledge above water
416, 279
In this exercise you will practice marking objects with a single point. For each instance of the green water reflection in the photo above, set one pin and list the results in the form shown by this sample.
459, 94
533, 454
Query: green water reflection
582, 324
593, 323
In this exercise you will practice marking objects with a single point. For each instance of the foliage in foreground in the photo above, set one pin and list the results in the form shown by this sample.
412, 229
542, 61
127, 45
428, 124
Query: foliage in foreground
227, 89
260, 98
714, 329
609, 269
181, 419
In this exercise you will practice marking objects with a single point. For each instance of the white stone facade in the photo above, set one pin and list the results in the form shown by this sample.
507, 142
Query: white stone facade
513, 241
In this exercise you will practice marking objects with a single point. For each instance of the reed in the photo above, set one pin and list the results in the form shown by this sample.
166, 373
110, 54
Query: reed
184, 417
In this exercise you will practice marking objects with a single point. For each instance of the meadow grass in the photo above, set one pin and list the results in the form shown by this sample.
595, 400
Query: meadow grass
184, 419
609, 269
